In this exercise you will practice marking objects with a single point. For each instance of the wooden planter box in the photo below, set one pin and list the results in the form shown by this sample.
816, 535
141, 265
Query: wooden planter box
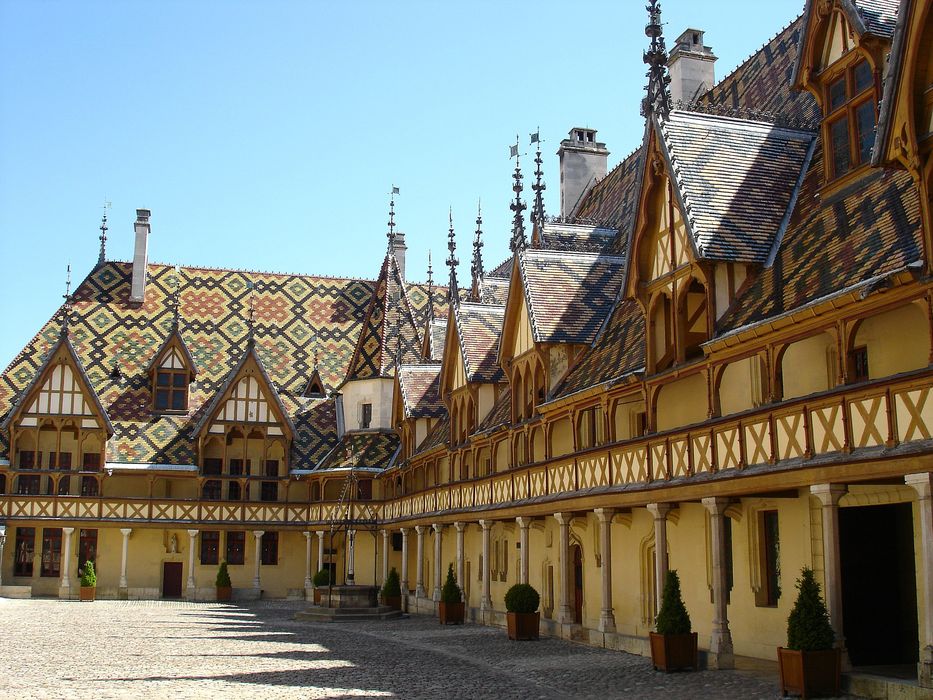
810, 673
393, 601
672, 652
224, 592
523, 626
88, 593
450, 613
317, 596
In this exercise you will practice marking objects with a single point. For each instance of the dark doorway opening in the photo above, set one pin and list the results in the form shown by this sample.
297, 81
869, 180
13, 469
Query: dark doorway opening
879, 584
171, 579
577, 585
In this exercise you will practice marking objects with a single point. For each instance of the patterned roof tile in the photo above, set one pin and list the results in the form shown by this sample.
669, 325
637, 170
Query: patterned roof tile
420, 385
479, 327
374, 450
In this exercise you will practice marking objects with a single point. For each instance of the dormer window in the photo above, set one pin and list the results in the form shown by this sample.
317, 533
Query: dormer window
850, 118
170, 390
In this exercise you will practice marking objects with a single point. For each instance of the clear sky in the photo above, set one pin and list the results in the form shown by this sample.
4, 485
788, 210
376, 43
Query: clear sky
267, 135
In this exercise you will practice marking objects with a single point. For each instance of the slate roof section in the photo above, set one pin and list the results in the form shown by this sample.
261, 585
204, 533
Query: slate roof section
479, 327
736, 179
437, 339
868, 229
619, 350
495, 290
569, 295
584, 238
420, 390
373, 450
612, 200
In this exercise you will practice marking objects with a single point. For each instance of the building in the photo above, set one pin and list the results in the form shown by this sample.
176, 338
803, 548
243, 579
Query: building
715, 359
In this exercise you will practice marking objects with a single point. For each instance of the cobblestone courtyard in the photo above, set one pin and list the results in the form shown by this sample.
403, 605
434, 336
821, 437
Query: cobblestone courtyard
159, 649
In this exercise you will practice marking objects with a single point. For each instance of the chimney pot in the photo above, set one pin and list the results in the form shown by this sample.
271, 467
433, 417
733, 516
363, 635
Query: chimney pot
399, 249
582, 163
140, 257
691, 67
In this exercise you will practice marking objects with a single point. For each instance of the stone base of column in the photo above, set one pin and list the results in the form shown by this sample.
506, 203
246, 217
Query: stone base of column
309, 593
190, 593
123, 593
420, 592
565, 615
607, 622
721, 654
437, 595
64, 592
925, 668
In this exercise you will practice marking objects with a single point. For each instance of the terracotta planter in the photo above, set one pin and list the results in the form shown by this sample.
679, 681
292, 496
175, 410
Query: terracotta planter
672, 652
810, 673
224, 592
317, 596
88, 593
393, 601
450, 613
523, 626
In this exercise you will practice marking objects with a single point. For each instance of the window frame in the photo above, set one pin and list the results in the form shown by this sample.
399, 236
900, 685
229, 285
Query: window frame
235, 548
24, 562
50, 565
210, 555
269, 549
845, 70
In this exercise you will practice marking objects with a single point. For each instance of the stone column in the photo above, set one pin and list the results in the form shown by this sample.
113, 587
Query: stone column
385, 555
2, 543
320, 549
404, 574
65, 585
923, 485
523, 524
486, 601
660, 511
309, 581
720, 645
607, 620
125, 531
438, 529
257, 535
351, 557
564, 612
419, 563
460, 527
829, 495
190, 589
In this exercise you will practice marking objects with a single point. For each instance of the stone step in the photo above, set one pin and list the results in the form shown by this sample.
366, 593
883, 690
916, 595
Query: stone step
322, 614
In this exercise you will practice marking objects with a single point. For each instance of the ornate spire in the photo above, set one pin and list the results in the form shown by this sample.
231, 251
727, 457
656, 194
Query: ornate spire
69, 302
176, 287
537, 210
391, 234
658, 99
250, 315
518, 206
476, 269
452, 261
102, 256
430, 292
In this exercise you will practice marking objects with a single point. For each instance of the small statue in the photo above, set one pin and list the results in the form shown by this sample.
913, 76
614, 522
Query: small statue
173, 544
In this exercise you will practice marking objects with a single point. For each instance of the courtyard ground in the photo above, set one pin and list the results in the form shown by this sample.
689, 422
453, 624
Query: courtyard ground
161, 649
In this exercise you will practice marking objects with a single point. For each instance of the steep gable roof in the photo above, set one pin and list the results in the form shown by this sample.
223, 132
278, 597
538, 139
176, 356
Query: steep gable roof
419, 387
478, 328
581, 237
368, 450
175, 339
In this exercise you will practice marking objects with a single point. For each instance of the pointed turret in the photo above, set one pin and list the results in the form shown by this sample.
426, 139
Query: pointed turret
476, 268
537, 210
102, 255
658, 99
452, 261
69, 303
518, 206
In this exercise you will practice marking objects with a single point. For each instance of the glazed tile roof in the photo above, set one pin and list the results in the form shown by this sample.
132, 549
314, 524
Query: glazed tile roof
569, 294
612, 200
585, 238
500, 414
374, 450
619, 350
892, 79
868, 229
438, 436
437, 339
420, 386
479, 327
737, 180
878, 16
495, 290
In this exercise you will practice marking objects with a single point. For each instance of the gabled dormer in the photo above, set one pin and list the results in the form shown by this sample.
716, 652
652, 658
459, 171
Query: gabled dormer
841, 63
314, 388
417, 405
171, 371
245, 431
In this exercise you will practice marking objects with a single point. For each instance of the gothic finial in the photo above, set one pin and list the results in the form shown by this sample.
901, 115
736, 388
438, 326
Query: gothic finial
391, 234
476, 269
249, 318
452, 261
430, 291
537, 210
102, 256
176, 286
69, 302
658, 99
518, 206
317, 356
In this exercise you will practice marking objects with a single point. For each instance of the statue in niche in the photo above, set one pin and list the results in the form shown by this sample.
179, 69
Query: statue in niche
173, 544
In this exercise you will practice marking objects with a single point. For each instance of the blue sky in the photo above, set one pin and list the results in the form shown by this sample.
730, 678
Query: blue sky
266, 135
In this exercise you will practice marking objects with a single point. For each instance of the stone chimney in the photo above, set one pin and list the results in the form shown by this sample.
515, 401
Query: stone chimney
399, 249
691, 67
140, 257
582, 163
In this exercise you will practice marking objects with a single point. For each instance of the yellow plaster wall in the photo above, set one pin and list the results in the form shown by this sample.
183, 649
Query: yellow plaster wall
562, 437
740, 386
897, 341
682, 402
807, 366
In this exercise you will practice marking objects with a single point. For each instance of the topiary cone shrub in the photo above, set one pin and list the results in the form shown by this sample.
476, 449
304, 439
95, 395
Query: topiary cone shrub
450, 610
521, 602
322, 578
88, 576
809, 665
392, 590
222, 583
673, 646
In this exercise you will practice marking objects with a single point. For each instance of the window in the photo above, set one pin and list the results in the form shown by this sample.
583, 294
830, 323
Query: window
87, 547
210, 546
90, 462
89, 486
269, 491
51, 552
236, 547
27, 485
211, 490
27, 459
365, 489
234, 492
769, 557
858, 364
25, 550
270, 549
590, 427
850, 119
366, 415
171, 392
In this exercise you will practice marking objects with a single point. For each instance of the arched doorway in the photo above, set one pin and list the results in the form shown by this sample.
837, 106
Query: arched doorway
577, 559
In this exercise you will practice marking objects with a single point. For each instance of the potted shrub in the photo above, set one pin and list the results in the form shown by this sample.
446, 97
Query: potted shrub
320, 580
450, 609
88, 582
392, 590
224, 587
521, 604
673, 646
809, 665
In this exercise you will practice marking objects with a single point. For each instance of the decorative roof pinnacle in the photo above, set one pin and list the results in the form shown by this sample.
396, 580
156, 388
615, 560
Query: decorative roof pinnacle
452, 260
537, 211
391, 234
518, 206
430, 289
69, 302
250, 315
102, 256
476, 269
658, 99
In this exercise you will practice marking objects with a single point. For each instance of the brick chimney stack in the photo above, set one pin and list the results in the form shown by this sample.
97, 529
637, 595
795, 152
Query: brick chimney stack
691, 67
140, 257
582, 163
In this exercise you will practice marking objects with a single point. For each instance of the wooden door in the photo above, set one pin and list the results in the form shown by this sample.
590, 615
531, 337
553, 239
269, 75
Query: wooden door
171, 579
577, 585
